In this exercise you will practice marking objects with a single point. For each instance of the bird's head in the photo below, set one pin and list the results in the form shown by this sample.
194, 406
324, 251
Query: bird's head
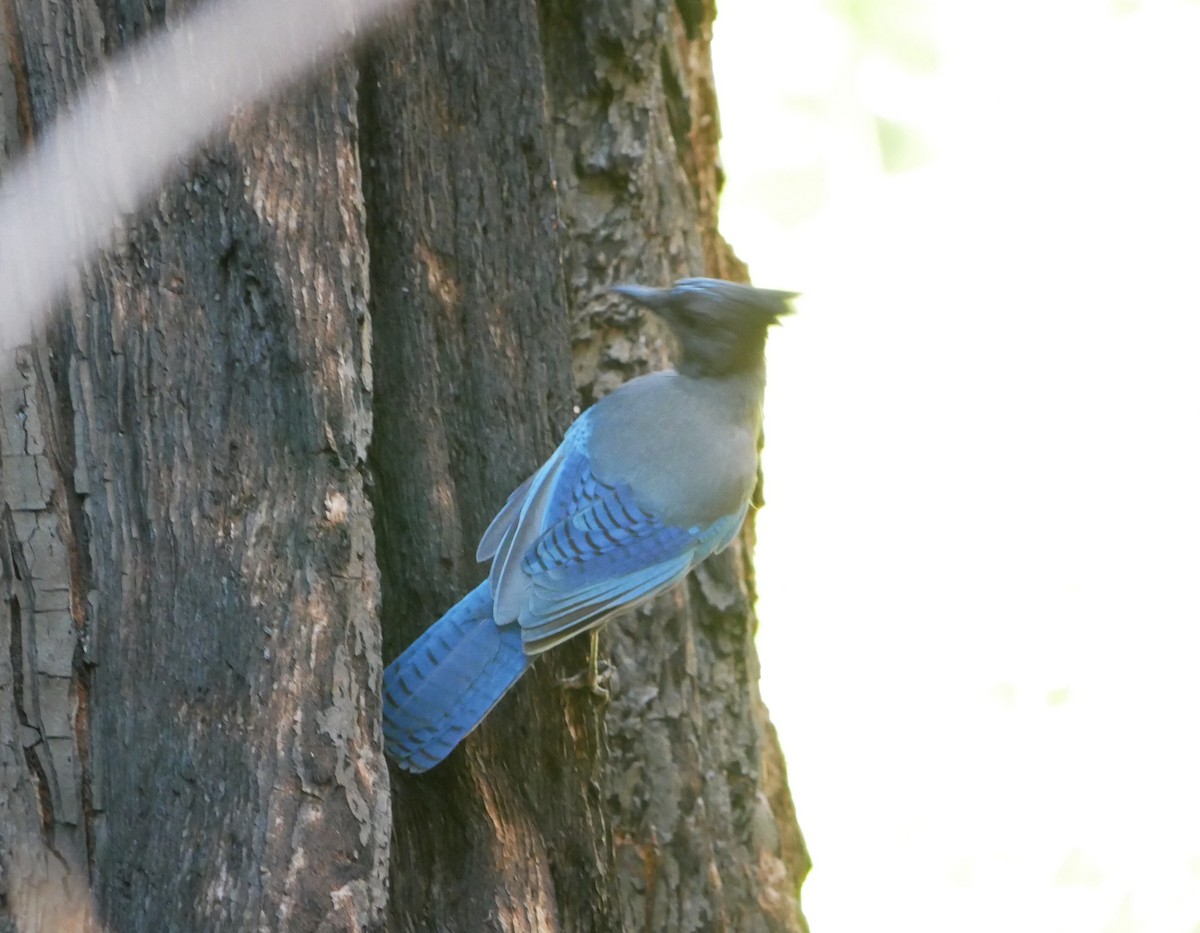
721, 326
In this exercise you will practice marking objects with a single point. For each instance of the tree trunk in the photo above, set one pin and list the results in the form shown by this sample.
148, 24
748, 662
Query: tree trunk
192, 728
190, 637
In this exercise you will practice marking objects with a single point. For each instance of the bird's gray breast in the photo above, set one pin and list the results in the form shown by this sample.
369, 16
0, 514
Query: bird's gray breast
687, 448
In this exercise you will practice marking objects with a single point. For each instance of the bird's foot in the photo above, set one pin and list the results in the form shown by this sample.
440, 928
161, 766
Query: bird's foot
596, 678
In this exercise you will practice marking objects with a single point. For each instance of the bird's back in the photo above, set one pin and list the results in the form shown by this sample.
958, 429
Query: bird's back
688, 448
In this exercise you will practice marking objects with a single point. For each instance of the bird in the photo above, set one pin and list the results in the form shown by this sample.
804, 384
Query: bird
647, 482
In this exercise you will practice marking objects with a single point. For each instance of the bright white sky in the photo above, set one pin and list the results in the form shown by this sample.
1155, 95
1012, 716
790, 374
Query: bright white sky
980, 559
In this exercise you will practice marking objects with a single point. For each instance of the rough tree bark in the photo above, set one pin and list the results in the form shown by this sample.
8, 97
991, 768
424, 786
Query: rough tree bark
190, 720
409, 252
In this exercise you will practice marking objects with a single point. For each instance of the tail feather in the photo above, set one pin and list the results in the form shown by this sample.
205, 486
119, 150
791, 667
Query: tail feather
446, 682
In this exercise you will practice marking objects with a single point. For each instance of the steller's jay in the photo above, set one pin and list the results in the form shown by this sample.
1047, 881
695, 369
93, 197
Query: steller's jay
647, 483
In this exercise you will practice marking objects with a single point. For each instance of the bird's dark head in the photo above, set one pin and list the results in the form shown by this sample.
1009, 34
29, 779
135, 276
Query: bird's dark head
721, 326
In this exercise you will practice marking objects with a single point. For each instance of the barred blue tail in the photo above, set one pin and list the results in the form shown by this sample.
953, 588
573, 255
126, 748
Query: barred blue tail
448, 680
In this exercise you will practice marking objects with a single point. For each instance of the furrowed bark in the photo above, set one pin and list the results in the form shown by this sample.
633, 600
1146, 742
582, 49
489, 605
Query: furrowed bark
249, 460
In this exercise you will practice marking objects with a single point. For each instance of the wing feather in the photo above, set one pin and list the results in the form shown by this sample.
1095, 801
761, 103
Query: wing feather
535, 503
570, 550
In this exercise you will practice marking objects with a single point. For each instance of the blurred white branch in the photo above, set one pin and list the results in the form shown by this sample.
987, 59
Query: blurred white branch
117, 144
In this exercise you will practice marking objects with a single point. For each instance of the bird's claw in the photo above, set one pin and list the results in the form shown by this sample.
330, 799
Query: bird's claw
597, 679
592, 678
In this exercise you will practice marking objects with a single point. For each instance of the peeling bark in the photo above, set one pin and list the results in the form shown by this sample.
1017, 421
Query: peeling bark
44, 789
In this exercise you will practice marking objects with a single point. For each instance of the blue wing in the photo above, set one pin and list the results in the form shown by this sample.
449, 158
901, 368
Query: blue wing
570, 550
607, 554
